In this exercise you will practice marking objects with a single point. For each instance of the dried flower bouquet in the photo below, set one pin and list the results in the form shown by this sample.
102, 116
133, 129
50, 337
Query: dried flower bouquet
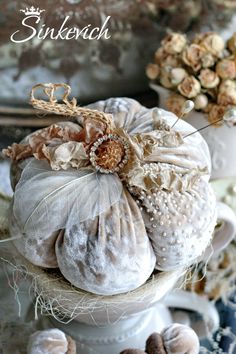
203, 70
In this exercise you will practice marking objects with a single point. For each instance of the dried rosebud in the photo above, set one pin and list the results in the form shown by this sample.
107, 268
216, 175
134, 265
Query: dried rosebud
132, 351
192, 56
152, 71
212, 93
154, 344
190, 87
177, 75
227, 4
216, 113
212, 42
231, 43
174, 103
174, 43
227, 97
171, 61
159, 55
227, 85
208, 107
226, 69
208, 78
200, 102
162, 58
227, 93
165, 78
208, 60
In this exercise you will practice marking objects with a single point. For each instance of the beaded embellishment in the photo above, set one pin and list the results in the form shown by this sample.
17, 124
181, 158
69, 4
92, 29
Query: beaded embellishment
113, 157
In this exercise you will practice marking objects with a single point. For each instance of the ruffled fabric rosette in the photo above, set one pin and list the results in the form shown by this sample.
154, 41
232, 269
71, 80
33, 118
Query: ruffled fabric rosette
112, 194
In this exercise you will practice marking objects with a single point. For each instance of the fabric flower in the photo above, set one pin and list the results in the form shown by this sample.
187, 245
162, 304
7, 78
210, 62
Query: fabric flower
174, 43
226, 69
18, 151
64, 156
190, 87
208, 78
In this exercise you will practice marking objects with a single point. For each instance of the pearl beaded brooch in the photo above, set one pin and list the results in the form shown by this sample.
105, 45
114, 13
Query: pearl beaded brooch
117, 154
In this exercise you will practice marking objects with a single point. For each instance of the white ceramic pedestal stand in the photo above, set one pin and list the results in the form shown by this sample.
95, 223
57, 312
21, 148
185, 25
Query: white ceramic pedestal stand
133, 330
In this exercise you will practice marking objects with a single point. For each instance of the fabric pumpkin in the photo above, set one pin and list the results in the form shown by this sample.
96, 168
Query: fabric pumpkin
51, 341
107, 230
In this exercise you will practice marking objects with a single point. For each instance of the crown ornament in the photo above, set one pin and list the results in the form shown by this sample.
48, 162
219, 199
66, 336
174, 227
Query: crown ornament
32, 11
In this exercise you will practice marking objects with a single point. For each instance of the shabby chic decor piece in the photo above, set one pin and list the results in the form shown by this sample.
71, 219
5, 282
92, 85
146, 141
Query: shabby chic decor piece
114, 214
112, 195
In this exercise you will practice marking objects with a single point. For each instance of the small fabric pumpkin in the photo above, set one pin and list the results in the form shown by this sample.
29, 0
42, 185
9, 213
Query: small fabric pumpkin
174, 339
111, 195
51, 341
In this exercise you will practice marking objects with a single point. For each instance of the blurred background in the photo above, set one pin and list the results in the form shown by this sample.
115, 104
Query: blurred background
95, 69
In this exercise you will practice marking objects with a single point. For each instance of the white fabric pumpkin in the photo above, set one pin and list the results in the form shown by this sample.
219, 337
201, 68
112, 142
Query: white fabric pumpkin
107, 232
50, 341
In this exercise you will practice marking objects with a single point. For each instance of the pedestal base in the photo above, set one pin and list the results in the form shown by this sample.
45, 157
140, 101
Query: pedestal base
112, 339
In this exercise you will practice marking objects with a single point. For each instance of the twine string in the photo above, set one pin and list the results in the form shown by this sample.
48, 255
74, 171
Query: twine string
68, 107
